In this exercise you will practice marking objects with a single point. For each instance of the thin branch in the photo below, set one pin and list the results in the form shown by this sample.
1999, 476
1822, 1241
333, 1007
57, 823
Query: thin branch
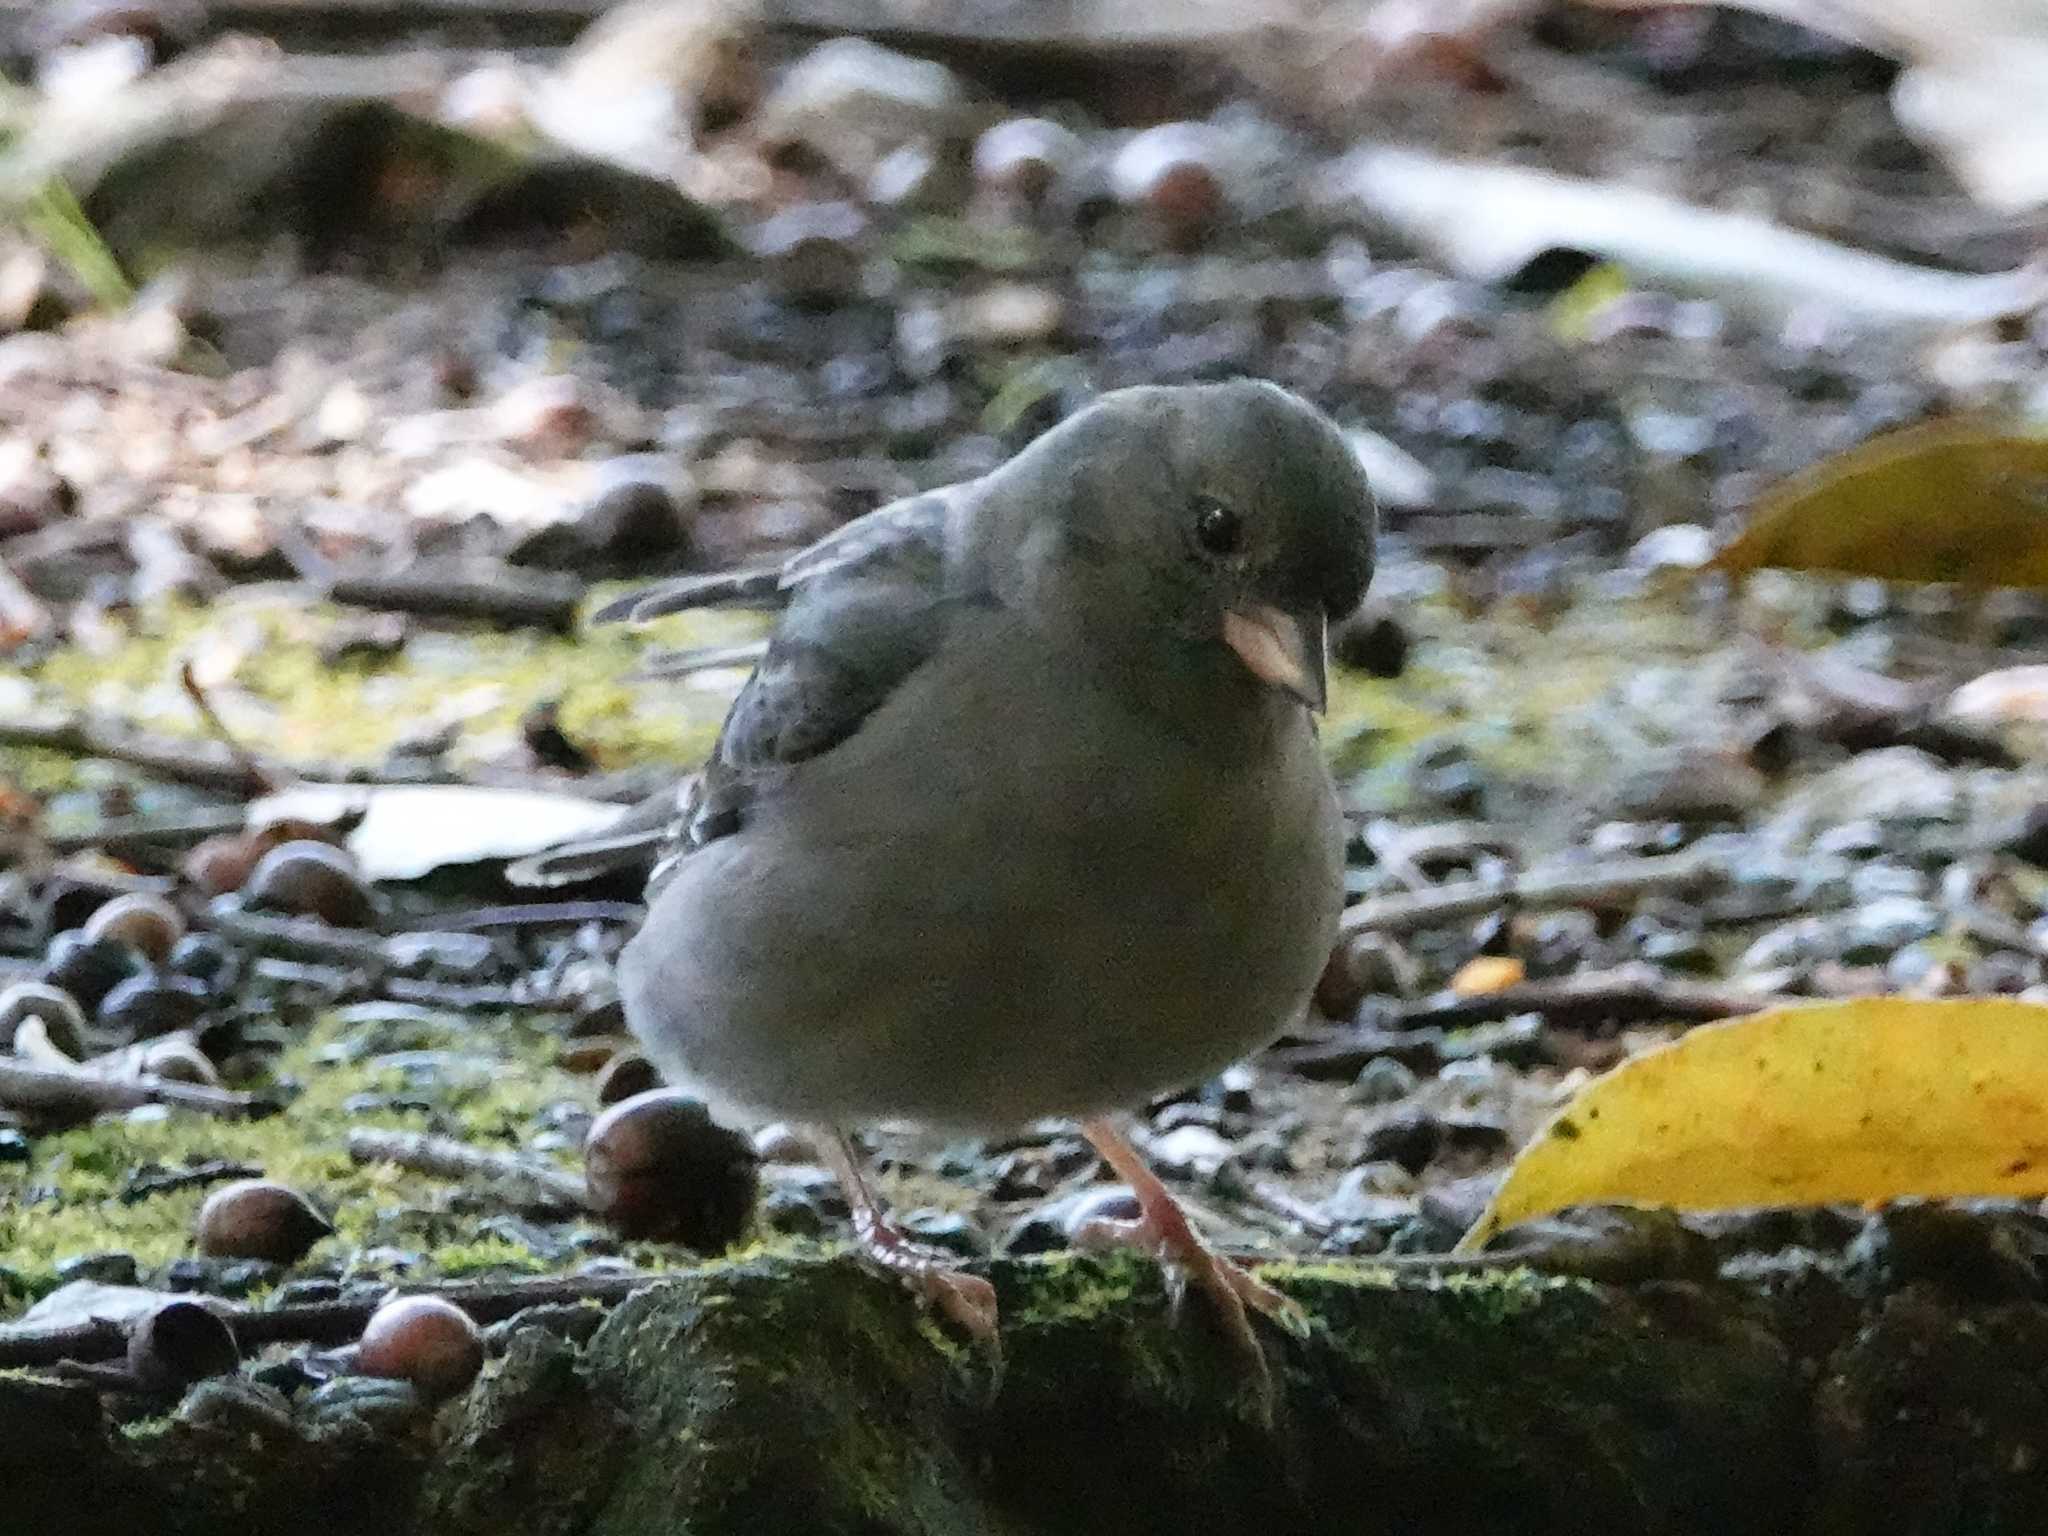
518, 1181
257, 772
1620, 880
126, 835
1413, 1033
542, 914
183, 761
49, 1090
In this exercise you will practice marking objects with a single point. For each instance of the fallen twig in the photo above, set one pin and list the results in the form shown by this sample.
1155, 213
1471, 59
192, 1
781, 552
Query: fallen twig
1628, 994
1580, 885
519, 1181
124, 835
1414, 1032
97, 1339
309, 939
301, 938
543, 914
1275, 1197
54, 1090
1863, 710
465, 998
495, 594
360, 983
146, 1182
203, 763
257, 772
1423, 1047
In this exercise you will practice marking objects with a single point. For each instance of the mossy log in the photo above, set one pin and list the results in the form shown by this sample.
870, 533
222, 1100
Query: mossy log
802, 1396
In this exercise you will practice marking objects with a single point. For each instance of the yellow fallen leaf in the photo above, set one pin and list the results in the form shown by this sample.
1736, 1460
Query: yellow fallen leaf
1487, 973
1571, 313
1964, 499
1867, 1100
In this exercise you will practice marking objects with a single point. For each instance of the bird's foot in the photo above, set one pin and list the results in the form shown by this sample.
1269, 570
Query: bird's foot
1162, 1229
967, 1300
1185, 1260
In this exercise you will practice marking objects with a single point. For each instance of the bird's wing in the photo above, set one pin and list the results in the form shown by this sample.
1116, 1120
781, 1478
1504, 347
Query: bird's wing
864, 607
867, 606
630, 844
914, 522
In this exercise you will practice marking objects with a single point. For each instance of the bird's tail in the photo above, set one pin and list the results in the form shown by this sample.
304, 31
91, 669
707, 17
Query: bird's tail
629, 847
692, 592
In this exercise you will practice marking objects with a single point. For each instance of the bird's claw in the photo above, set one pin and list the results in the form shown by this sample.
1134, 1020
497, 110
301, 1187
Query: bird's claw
1184, 1261
967, 1300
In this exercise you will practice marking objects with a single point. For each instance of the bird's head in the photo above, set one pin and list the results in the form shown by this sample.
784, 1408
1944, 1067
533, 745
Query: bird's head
1201, 535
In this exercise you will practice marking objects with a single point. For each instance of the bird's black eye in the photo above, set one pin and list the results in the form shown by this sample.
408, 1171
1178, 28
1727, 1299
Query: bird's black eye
1218, 530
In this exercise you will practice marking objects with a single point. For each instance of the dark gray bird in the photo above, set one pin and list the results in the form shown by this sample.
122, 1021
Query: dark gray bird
1023, 812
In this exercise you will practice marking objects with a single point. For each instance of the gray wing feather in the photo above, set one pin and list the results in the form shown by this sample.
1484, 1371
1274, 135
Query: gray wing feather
917, 527
915, 520
865, 606
690, 592
634, 841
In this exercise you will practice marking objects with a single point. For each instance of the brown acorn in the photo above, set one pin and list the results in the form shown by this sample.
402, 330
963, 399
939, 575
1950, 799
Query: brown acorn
1172, 173
222, 864
62, 1020
178, 1344
259, 1219
312, 879
147, 924
658, 1166
424, 1340
626, 1075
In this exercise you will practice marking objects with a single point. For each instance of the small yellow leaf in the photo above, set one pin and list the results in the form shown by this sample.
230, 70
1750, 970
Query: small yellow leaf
1866, 1101
1571, 312
1487, 973
1963, 500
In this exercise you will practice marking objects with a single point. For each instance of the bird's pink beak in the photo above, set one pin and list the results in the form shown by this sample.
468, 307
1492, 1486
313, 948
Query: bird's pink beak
1282, 650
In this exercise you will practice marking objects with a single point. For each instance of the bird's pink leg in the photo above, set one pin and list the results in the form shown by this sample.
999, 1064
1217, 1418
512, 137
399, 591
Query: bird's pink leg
928, 1274
1162, 1228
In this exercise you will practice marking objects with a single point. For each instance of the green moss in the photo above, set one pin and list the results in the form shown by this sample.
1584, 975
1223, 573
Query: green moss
954, 245
67, 1201
1078, 1288
1501, 1296
1534, 704
484, 1256
1289, 1273
284, 697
